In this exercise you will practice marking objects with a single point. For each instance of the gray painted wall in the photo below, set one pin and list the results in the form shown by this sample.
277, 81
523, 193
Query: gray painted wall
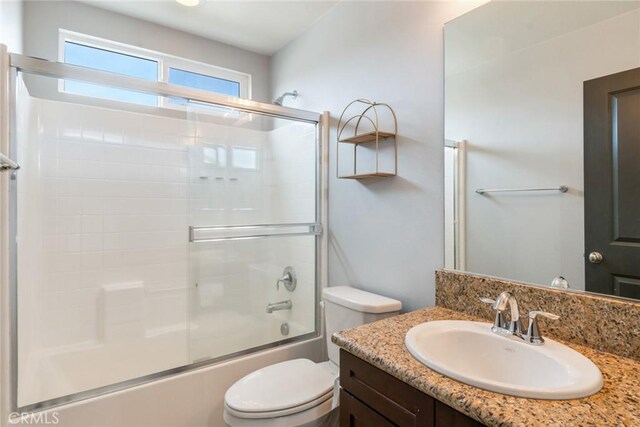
11, 25
42, 19
386, 235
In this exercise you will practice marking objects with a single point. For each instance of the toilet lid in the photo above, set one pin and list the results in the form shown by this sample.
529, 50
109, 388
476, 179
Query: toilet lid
281, 386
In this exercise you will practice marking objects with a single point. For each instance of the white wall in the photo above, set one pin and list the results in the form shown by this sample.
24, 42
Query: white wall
11, 25
43, 19
386, 235
522, 114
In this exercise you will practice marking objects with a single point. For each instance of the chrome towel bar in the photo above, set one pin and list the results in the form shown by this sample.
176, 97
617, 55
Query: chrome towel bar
256, 231
562, 189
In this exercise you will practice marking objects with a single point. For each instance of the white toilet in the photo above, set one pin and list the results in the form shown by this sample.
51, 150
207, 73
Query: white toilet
300, 392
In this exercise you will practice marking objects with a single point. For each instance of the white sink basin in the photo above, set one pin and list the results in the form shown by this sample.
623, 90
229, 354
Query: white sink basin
469, 352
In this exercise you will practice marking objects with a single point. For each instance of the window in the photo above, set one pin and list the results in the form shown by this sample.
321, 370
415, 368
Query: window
201, 81
106, 60
214, 155
244, 158
100, 54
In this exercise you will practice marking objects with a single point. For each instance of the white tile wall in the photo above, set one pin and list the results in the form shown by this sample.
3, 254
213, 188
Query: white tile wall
107, 275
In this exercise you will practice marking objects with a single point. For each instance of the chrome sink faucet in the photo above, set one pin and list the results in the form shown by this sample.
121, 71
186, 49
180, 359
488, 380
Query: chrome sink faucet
514, 330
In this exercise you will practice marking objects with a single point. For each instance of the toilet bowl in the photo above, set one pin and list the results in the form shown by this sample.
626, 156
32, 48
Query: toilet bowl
301, 392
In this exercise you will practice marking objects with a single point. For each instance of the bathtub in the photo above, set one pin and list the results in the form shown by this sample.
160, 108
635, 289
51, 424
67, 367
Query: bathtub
212, 337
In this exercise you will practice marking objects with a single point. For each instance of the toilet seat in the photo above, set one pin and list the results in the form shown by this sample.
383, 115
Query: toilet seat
279, 390
282, 412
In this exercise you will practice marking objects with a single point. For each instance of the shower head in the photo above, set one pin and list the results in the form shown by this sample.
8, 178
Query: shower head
278, 100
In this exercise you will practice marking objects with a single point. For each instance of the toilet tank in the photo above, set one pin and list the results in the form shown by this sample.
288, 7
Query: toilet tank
346, 307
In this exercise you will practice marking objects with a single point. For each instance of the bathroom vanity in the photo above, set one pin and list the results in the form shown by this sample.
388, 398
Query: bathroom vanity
371, 397
384, 385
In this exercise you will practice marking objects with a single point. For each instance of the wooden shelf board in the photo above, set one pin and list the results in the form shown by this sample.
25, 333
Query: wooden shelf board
367, 137
368, 175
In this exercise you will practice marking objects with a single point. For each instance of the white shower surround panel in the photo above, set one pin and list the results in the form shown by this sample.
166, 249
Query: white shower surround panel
105, 205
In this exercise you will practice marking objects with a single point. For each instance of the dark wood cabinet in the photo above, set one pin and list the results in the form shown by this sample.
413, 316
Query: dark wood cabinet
372, 398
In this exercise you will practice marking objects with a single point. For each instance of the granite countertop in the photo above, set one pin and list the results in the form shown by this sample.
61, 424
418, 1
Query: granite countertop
382, 344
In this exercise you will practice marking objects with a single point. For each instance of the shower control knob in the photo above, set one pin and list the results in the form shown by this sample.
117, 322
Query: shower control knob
288, 279
595, 258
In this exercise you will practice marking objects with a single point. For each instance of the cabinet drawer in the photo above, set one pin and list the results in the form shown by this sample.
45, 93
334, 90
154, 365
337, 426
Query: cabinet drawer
354, 413
400, 403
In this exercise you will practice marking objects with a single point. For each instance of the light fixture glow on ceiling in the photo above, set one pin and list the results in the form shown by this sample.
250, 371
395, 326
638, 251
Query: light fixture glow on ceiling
189, 2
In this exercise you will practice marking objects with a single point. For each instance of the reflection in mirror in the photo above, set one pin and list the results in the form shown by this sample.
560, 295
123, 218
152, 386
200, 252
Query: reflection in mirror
542, 149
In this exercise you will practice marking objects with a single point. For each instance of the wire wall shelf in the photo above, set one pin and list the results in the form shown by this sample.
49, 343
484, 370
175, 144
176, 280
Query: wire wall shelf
351, 132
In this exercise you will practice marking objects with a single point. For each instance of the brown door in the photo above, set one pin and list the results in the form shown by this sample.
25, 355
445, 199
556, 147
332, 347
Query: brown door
612, 184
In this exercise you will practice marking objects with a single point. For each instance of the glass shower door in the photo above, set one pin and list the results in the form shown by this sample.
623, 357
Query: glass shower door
102, 289
253, 215
149, 238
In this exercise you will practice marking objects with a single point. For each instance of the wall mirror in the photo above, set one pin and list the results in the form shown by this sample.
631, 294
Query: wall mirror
542, 149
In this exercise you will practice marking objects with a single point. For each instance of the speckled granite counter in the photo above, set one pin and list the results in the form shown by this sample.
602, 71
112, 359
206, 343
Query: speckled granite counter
382, 344
613, 324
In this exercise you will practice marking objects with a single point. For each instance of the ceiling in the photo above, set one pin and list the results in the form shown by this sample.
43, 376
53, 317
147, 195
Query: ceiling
259, 26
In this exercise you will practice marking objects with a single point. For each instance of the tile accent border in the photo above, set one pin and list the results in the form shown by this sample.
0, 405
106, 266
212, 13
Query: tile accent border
605, 324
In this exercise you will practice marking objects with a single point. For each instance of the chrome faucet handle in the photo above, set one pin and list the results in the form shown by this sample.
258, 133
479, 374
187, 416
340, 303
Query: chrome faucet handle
499, 322
533, 331
285, 280
534, 314
288, 279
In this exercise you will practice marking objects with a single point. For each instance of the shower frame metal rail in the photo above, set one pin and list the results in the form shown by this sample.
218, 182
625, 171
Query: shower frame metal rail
11, 64
43, 67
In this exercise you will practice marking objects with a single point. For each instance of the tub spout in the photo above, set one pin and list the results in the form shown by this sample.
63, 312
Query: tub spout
282, 305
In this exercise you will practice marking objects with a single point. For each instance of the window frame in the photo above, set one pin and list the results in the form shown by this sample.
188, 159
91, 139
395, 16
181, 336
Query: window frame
231, 156
164, 61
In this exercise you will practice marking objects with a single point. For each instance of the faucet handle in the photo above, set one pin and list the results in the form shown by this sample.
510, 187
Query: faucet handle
499, 322
490, 301
285, 280
533, 331
288, 279
534, 314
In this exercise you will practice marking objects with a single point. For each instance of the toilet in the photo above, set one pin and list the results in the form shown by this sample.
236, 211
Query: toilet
300, 392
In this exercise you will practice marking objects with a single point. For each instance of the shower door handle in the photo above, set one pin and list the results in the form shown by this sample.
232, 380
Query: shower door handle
7, 164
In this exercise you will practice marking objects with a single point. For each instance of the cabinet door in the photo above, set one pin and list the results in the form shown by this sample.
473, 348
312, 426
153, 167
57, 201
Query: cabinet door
354, 413
397, 401
371, 397
449, 417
